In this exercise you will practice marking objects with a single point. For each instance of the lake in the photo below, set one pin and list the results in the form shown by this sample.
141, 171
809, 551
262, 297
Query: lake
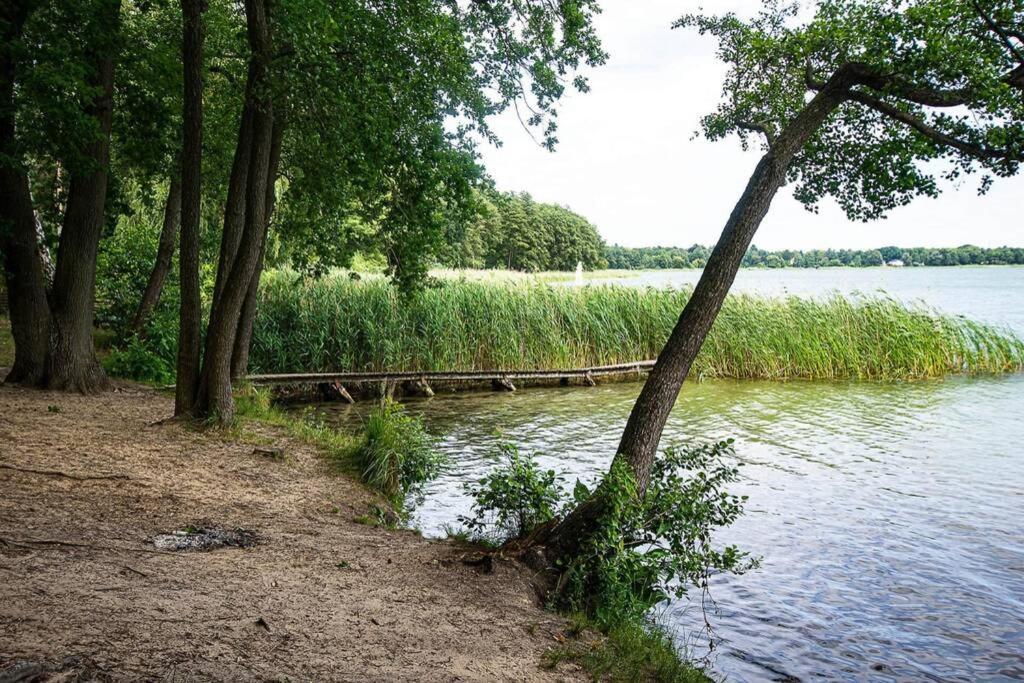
889, 516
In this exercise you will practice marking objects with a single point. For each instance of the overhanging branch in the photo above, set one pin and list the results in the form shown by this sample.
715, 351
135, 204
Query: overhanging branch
969, 148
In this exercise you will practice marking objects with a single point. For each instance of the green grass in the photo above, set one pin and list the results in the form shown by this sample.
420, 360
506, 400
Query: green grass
336, 446
396, 454
335, 324
628, 652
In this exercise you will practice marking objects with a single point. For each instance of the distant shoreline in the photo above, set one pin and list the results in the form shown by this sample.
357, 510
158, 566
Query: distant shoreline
695, 257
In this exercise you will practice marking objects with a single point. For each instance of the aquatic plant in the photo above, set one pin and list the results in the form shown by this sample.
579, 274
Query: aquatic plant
396, 455
336, 324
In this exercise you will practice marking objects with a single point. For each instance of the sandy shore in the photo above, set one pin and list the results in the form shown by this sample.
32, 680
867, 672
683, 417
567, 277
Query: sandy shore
86, 482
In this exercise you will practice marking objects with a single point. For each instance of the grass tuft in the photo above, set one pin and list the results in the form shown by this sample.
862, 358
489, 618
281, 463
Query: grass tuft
628, 652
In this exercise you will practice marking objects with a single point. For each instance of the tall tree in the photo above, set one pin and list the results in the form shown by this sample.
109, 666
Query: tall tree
19, 243
191, 189
71, 362
370, 92
862, 103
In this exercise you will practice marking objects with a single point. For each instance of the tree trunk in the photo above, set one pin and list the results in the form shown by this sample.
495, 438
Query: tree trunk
214, 397
243, 338
164, 254
646, 422
72, 362
23, 268
238, 181
191, 174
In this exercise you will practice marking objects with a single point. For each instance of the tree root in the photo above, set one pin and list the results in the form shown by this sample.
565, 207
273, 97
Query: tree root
65, 475
32, 544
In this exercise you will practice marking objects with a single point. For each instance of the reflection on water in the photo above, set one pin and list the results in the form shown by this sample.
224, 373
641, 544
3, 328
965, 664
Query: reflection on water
889, 516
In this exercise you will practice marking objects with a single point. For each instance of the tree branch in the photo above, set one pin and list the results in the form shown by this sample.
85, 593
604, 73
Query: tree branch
758, 128
1003, 33
969, 148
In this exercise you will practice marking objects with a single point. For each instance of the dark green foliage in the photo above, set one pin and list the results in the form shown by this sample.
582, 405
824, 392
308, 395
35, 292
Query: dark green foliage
511, 231
640, 551
513, 498
643, 550
144, 361
397, 455
648, 549
123, 266
933, 91
637, 258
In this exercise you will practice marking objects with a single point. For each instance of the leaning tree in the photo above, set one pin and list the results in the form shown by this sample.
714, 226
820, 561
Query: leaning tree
871, 103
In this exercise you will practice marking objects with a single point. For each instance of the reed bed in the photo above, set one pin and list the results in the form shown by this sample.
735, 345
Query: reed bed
336, 324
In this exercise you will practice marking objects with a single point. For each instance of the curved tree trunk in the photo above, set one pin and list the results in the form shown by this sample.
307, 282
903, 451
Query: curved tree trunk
72, 362
191, 172
19, 243
243, 338
214, 398
164, 254
642, 434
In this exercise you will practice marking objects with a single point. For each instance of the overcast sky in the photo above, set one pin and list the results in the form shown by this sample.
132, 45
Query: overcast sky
627, 159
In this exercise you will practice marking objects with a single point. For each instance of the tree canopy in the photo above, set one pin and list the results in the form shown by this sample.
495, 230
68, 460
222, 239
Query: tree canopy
512, 231
934, 90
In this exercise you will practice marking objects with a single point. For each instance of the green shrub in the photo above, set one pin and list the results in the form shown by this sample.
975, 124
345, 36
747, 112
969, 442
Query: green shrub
397, 455
137, 360
512, 499
646, 549
641, 550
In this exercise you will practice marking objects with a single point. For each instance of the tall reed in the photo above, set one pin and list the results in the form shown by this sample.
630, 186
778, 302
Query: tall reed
334, 324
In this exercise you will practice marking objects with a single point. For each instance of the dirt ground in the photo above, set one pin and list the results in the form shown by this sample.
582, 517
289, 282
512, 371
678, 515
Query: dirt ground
85, 594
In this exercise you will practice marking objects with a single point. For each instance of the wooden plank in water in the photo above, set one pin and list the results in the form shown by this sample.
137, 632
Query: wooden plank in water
456, 376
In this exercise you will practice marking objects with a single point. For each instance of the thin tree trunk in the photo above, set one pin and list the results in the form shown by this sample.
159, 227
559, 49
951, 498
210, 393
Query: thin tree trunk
214, 398
238, 181
191, 173
164, 254
72, 362
642, 434
243, 338
19, 243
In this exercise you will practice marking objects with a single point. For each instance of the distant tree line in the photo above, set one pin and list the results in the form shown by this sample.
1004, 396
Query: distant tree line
510, 230
635, 258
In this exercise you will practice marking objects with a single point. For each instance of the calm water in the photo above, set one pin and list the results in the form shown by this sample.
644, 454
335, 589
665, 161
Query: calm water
890, 516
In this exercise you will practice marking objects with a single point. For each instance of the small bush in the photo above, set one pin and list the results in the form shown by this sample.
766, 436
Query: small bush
647, 549
513, 499
137, 360
397, 455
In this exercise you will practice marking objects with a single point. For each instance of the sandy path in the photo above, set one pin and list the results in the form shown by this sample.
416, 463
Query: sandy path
321, 598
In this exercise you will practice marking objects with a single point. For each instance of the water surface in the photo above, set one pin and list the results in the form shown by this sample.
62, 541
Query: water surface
890, 516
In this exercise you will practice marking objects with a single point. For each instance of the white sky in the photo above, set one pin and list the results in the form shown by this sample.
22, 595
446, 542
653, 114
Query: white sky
627, 161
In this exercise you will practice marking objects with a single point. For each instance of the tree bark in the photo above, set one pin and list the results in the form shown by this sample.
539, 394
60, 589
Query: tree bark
214, 398
238, 181
191, 188
164, 254
642, 434
243, 338
72, 362
23, 268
